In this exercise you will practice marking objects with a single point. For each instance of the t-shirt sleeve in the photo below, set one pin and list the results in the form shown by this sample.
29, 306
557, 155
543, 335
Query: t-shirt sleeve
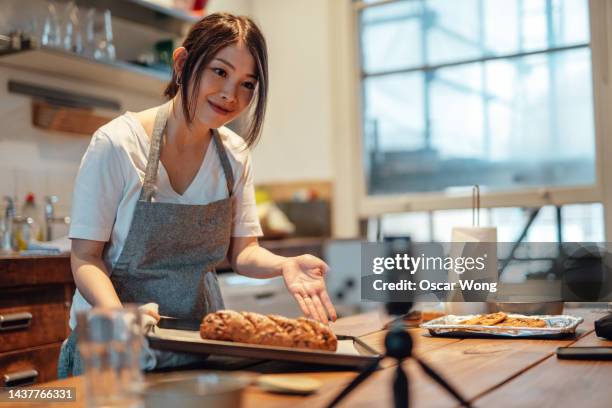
246, 220
98, 189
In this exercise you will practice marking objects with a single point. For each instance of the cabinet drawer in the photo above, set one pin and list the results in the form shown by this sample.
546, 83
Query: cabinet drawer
32, 317
30, 366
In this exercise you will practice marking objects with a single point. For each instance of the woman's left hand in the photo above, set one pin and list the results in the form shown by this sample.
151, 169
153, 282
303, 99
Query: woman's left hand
304, 276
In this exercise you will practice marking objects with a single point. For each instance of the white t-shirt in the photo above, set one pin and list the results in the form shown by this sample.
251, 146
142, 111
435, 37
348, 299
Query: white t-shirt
110, 178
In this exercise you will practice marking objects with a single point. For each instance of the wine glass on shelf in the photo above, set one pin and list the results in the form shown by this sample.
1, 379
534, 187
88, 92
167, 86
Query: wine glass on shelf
73, 37
51, 35
103, 36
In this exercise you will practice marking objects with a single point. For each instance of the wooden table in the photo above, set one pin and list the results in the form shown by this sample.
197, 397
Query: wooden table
488, 372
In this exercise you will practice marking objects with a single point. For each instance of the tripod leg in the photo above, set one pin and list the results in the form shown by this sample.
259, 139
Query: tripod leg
438, 378
353, 384
401, 388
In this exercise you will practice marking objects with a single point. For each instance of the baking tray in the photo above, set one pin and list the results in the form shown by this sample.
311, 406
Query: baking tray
559, 326
351, 352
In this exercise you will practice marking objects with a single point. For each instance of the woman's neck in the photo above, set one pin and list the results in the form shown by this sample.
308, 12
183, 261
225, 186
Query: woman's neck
179, 133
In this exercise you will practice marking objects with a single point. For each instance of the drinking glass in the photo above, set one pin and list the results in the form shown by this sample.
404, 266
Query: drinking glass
103, 36
72, 33
51, 34
110, 341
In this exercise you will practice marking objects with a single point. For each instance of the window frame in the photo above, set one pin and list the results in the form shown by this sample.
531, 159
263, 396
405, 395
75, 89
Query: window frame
375, 205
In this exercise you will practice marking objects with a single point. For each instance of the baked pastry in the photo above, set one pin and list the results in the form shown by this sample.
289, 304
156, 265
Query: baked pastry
522, 322
502, 319
270, 330
486, 320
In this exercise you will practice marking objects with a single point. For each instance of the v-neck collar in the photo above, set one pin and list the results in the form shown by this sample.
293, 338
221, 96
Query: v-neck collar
146, 142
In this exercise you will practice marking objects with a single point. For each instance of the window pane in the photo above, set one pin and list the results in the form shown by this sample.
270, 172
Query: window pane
503, 124
395, 106
460, 30
453, 30
571, 22
391, 36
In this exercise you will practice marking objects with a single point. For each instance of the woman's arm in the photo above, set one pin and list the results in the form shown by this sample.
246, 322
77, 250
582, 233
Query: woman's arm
90, 275
249, 259
304, 275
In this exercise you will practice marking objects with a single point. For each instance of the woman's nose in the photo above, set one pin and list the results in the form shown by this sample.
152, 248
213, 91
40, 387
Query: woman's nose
229, 93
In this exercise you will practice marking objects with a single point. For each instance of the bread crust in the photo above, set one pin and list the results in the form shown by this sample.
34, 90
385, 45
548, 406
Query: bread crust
267, 331
324, 338
227, 325
270, 330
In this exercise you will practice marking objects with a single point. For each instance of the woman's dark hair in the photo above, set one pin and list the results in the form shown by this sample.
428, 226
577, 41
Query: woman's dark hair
205, 39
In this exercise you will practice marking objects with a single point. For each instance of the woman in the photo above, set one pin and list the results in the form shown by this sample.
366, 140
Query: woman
164, 195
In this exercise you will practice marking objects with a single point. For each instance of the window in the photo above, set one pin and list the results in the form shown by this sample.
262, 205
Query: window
464, 92
580, 223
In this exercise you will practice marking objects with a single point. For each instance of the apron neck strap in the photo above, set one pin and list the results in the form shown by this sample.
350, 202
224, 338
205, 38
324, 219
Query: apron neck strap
225, 163
148, 186
161, 118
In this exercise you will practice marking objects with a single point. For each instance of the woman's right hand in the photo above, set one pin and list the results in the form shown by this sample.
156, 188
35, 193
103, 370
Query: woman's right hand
150, 316
153, 314
150, 309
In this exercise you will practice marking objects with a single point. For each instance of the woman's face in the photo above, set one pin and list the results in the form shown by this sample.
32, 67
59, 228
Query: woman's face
226, 87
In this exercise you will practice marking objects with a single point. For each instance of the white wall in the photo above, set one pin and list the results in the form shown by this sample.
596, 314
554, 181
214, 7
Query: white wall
240, 7
296, 142
312, 118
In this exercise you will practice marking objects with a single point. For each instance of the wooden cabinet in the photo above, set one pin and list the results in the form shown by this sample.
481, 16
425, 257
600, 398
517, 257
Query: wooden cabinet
35, 298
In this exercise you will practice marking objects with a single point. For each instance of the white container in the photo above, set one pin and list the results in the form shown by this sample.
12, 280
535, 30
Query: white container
461, 236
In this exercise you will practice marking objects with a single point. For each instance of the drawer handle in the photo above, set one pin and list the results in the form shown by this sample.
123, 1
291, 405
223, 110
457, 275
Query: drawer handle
20, 378
15, 321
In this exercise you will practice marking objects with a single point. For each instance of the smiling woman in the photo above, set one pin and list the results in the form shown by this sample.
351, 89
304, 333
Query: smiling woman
164, 195
241, 57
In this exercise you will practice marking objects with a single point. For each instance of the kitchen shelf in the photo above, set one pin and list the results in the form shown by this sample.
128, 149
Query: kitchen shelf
146, 13
171, 12
60, 63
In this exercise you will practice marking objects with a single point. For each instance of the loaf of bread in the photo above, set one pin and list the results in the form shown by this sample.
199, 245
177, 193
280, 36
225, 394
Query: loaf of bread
270, 330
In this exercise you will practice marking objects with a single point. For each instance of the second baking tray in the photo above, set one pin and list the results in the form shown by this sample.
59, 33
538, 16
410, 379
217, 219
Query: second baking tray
557, 326
351, 351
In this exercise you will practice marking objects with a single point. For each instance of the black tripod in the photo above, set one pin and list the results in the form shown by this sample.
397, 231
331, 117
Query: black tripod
398, 345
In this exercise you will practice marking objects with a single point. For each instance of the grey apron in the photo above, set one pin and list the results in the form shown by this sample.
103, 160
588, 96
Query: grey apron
170, 253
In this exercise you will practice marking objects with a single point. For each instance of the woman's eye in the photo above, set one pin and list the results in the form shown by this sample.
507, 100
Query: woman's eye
220, 71
249, 85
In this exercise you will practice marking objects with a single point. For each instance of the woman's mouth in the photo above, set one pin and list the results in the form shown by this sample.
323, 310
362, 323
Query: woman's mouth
219, 109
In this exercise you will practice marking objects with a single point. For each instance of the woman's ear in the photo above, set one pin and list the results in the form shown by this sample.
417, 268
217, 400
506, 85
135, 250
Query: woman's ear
178, 57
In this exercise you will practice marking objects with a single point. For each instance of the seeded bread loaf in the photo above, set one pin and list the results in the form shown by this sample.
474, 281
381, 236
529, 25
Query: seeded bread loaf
270, 330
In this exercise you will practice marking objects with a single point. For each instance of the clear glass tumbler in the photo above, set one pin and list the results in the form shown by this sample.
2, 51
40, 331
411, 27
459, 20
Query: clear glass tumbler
110, 342
103, 36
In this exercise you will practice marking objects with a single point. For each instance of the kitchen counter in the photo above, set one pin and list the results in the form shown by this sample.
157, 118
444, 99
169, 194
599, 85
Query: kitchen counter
488, 372
283, 247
